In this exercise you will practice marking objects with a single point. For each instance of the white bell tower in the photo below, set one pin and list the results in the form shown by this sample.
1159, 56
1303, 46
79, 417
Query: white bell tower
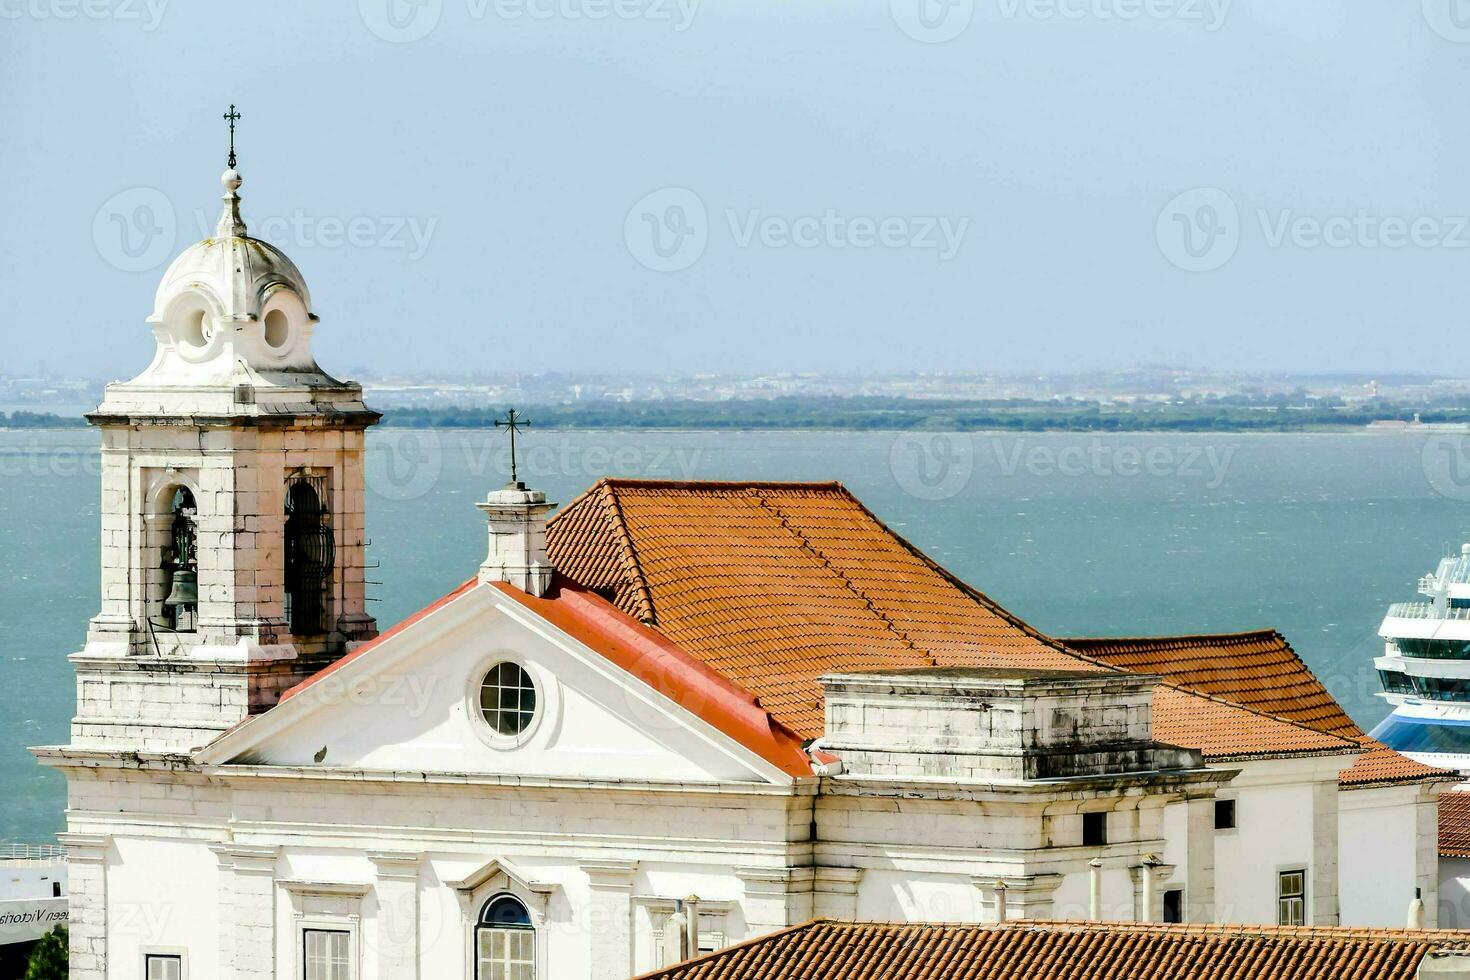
232, 506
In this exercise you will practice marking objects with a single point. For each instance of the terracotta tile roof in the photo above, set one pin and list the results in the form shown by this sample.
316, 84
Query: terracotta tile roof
735, 599
775, 584
1261, 671
1382, 766
1035, 950
1454, 825
1228, 732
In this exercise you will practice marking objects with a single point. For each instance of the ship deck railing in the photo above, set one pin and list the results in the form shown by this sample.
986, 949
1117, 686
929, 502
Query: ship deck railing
1426, 610
32, 852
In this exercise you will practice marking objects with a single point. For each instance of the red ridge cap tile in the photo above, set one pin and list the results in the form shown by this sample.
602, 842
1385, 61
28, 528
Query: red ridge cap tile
686, 680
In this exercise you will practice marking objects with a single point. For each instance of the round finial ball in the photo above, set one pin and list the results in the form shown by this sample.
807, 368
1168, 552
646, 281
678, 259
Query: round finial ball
231, 179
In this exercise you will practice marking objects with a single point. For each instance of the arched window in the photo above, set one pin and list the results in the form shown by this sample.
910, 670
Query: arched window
505, 942
310, 555
181, 564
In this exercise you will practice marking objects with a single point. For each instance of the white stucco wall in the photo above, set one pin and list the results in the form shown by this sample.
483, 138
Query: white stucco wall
1289, 815
1380, 855
1454, 893
162, 897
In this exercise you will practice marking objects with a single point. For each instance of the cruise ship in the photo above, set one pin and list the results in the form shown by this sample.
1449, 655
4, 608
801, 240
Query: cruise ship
32, 900
1425, 669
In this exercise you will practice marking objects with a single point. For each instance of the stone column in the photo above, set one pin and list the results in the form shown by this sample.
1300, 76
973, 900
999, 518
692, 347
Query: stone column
86, 871
1026, 896
1148, 898
1324, 909
1199, 860
397, 929
835, 892
610, 918
775, 898
247, 912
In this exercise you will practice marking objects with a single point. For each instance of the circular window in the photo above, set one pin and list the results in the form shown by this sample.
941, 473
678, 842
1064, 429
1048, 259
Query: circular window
508, 699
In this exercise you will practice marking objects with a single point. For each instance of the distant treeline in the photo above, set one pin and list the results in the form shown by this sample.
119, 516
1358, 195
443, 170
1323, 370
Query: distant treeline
1017, 415
39, 420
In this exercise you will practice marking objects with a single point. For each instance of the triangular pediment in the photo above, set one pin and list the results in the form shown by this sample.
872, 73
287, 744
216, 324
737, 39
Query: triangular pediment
415, 702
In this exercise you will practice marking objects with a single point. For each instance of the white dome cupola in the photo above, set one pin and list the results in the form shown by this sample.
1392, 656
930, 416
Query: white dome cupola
233, 325
232, 302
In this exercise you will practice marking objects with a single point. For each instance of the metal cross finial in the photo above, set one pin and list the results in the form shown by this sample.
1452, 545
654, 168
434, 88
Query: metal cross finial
514, 422
232, 117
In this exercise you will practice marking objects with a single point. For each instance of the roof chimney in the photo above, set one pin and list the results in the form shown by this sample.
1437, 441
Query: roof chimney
517, 539
1416, 911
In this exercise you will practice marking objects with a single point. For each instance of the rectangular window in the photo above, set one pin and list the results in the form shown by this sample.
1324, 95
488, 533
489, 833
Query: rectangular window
1174, 905
506, 954
327, 954
156, 967
1224, 814
1094, 829
1291, 898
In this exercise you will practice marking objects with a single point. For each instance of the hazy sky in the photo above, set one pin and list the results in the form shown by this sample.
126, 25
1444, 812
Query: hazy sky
815, 185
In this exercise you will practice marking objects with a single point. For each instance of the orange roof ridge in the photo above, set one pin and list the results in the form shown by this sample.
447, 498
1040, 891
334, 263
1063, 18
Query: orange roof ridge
971, 591
1262, 930
842, 577
735, 949
613, 509
644, 483
1232, 635
647, 654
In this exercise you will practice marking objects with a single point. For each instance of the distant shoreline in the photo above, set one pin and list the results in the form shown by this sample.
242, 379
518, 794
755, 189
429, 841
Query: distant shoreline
896, 414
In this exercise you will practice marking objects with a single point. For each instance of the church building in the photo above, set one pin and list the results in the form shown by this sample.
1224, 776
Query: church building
670, 718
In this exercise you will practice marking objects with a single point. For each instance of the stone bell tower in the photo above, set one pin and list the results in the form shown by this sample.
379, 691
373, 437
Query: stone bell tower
232, 506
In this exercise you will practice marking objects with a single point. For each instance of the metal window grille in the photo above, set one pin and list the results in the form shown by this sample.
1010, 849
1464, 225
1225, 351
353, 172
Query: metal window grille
311, 554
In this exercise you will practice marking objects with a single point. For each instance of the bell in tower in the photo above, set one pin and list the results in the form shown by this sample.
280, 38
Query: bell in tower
233, 488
